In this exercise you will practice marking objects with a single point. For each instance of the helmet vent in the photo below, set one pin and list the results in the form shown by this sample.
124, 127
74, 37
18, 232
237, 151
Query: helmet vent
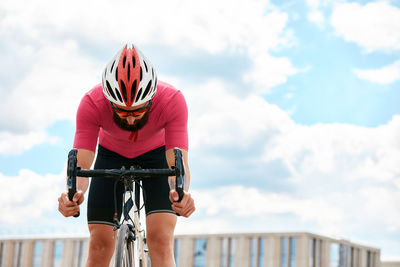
129, 72
123, 89
133, 62
119, 96
147, 89
145, 65
141, 73
116, 74
138, 95
133, 90
110, 90
124, 62
112, 67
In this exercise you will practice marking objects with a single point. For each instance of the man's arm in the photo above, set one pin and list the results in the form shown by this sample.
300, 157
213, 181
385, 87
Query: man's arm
65, 206
186, 206
84, 160
171, 162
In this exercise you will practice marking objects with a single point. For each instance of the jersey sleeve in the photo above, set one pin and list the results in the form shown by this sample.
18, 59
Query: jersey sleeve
176, 134
87, 125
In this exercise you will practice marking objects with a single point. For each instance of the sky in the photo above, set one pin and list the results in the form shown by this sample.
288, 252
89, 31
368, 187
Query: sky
294, 118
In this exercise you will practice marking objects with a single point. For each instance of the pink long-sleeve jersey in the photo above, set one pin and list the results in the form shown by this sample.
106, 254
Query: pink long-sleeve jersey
167, 124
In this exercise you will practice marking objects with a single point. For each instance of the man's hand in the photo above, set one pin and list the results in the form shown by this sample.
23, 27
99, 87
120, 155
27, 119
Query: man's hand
184, 208
70, 208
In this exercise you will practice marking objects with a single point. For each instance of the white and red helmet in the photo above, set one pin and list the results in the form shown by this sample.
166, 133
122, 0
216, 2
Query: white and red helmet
129, 79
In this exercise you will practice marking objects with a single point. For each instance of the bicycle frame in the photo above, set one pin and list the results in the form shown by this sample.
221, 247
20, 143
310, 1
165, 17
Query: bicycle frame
131, 214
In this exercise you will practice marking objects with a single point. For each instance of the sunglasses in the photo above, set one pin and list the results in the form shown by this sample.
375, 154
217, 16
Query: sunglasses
134, 113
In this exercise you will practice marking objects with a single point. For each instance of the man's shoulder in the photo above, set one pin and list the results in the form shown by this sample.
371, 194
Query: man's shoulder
169, 99
96, 92
166, 92
95, 95
164, 87
94, 99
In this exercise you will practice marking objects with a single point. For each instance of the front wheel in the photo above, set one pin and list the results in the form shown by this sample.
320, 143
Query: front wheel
124, 250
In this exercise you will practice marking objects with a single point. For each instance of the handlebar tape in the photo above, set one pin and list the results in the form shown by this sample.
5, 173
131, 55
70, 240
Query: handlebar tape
71, 173
179, 173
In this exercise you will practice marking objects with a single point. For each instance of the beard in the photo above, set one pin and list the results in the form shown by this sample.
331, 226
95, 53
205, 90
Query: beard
136, 126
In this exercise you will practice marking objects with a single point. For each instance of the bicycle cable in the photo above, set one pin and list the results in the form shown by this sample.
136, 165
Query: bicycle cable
130, 189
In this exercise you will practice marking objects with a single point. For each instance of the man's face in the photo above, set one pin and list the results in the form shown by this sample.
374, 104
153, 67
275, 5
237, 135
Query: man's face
128, 122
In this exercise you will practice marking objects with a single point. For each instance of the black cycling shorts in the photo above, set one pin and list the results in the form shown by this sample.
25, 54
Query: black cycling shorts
101, 205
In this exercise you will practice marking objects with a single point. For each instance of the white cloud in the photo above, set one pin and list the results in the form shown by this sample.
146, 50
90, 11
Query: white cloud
16, 143
56, 79
228, 25
384, 75
52, 89
219, 117
344, 153
267, 134
253, 202
314, 4
253, 28
316, 17
374, 26
270, 71
29, 196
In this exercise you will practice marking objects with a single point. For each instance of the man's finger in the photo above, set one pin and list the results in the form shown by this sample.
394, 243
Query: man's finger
64, 201
78, 197
185, 211
173, 196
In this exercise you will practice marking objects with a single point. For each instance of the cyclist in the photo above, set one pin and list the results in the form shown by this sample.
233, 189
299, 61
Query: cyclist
133, 119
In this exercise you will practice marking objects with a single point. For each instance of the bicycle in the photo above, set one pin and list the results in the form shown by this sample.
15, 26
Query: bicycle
130, 231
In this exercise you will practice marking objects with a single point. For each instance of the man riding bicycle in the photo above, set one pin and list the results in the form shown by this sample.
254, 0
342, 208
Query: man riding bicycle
133, 119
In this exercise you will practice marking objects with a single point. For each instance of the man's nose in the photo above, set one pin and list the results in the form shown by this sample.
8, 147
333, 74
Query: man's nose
130, 120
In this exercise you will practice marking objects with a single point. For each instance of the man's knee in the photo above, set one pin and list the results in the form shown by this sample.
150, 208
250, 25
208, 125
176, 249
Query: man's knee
160, 231
162, 239
102, 240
